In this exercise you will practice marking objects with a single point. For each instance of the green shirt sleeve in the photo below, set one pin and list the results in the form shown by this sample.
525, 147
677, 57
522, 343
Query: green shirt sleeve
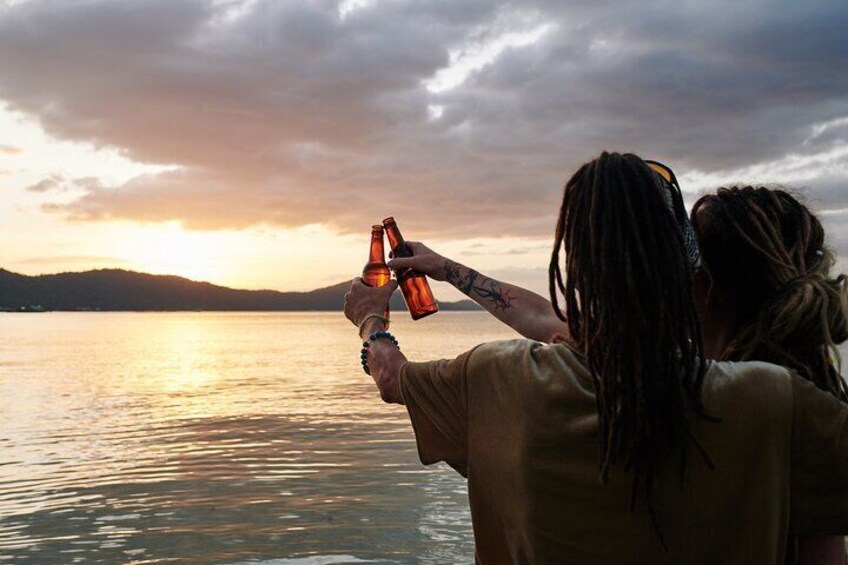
436, 397
819, 466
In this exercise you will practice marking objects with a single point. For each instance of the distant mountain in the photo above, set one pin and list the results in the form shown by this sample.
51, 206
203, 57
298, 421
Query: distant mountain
117, 289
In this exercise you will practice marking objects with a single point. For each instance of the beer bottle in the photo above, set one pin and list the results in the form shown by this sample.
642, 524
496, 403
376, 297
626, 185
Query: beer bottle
376, 272
414, 286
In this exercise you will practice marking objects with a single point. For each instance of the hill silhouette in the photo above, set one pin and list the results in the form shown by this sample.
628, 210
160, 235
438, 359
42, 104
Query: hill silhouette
121, 290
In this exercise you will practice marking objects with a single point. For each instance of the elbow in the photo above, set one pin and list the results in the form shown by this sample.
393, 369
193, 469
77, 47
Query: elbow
389, 390
386, 396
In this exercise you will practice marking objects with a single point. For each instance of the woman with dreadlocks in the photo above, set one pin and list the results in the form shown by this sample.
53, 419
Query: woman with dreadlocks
768, 295
621, 445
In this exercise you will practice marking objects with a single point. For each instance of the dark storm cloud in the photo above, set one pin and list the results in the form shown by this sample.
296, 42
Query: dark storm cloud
708, 86
836, 230
828, 193
287, 113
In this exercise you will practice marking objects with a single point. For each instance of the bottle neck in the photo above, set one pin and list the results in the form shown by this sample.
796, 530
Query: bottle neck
395, 238
377, 254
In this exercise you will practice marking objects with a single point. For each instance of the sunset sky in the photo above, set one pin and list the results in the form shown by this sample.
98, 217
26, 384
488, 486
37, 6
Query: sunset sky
253, 143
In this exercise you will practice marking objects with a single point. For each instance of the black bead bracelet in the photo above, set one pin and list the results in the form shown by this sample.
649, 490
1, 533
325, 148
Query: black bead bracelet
366, 344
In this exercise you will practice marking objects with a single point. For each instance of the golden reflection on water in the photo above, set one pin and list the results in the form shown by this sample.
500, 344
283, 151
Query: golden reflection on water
217, 438
195, 364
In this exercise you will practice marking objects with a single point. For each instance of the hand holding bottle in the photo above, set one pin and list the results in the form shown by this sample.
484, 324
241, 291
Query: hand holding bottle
362, 300
424, 260
414, 286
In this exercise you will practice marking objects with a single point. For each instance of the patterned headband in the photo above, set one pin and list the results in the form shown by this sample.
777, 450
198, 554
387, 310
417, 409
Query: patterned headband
674, 201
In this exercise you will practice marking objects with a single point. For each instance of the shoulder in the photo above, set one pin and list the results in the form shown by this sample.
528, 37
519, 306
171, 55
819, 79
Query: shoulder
504, 349
517, 358
756, 375
495, 357
755, 387
510, 352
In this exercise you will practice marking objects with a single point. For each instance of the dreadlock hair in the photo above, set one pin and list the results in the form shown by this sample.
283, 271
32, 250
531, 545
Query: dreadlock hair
767, 249
630, 309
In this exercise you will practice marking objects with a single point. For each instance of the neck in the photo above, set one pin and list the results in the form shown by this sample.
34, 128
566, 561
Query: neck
719, 329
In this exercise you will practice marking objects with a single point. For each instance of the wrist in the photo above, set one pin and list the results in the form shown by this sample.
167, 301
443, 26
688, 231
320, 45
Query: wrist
452, 272
442, 274
371, 325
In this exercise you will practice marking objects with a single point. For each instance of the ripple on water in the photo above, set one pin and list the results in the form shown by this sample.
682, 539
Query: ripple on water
217, 438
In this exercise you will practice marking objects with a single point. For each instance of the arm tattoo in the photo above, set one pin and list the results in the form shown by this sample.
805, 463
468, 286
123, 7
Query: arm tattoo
470, 282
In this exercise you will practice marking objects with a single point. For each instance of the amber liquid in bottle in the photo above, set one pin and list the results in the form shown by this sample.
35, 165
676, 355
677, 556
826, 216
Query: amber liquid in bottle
414, 286
376, 272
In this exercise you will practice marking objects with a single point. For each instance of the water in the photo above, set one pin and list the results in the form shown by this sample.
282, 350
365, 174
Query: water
141, 438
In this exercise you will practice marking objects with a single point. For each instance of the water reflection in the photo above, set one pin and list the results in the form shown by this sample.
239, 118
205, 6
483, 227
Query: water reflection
217, 438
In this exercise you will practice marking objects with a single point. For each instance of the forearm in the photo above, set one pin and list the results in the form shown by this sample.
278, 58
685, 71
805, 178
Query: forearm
384, 361
524, 311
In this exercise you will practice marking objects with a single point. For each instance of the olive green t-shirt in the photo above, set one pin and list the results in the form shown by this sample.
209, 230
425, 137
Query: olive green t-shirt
518, 419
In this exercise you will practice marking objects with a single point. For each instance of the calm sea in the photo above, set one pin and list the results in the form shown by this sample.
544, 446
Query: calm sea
218, 438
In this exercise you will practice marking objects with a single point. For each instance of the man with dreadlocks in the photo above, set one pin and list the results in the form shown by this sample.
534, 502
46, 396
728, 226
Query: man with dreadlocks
619, 444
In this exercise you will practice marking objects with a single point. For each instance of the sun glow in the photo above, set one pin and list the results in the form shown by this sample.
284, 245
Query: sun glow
171, 250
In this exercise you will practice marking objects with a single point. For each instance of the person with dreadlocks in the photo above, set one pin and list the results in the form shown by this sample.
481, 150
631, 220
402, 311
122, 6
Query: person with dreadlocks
768, 295
620, 444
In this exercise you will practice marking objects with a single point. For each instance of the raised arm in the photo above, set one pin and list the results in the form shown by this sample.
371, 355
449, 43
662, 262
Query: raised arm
524, 311
366, 304
435, 393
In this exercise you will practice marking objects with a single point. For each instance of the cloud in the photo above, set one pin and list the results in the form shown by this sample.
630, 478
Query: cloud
457, 117
535, 279
490, 250
58, 183
836, 230
818, 177
71, 259
48, 184
10, 150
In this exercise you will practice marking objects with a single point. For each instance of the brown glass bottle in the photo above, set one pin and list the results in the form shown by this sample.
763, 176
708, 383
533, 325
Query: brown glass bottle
376, 272
414, 286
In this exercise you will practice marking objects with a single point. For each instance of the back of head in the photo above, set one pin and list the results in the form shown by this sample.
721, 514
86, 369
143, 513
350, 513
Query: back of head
629, 306
766, 250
